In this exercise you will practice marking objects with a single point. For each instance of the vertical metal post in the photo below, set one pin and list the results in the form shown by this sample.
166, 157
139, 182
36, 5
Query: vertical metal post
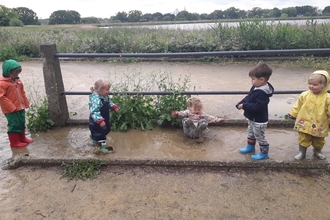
57, 105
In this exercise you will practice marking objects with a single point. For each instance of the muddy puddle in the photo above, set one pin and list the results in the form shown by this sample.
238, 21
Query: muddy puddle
221, 144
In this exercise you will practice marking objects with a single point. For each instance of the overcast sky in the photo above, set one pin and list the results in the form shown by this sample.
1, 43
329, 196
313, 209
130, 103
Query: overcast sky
106, 8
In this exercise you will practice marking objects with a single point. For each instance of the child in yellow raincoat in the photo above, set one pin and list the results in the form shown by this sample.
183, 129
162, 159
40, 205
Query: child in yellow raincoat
312, 114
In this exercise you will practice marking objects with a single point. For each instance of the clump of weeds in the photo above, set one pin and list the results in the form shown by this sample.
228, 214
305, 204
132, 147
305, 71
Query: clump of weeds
38, 117
37, 114
82, 170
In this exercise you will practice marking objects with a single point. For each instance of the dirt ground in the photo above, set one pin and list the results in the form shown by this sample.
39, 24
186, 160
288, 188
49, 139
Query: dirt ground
163, 192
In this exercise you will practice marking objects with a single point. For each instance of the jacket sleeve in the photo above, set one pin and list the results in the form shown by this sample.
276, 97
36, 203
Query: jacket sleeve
183, 114
112, 106
260, 103
7, 106
211, 118
95, 112
25, 99
243, 101
296, 107
328, 105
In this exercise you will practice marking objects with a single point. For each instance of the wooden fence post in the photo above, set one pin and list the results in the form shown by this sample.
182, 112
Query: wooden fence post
57, 105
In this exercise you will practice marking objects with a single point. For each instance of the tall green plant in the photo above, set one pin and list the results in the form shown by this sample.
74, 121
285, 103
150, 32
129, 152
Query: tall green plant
146, 111
248, 35
37, 115
285, 37
227, 37
136, 112
168, 103
255, 34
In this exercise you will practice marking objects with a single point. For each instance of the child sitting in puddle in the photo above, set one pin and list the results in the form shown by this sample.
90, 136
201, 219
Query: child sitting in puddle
99, 120
195, 121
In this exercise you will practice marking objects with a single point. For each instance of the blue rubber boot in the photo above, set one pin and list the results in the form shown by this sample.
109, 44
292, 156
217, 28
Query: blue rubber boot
263, 154
103, 149
250, 148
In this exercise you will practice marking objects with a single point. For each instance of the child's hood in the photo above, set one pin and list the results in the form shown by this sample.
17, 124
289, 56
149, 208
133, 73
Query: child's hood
8, 66
326, 74
268, 89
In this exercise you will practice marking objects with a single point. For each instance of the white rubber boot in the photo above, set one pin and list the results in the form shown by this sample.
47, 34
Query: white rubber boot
318, 153
302, 153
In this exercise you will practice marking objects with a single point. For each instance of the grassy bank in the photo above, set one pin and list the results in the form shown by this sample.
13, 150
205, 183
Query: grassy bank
21, 43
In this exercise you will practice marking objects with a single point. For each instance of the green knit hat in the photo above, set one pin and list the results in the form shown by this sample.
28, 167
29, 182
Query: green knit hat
8, 66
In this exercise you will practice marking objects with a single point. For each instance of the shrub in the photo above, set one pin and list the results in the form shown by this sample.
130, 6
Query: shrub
146, 111
38, 117
27, 49
167, 103
136, 112
14, 22
9, 52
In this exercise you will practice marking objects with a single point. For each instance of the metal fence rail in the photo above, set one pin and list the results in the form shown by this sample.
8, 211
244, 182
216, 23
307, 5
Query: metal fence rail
198, 54
57, 105
184, 93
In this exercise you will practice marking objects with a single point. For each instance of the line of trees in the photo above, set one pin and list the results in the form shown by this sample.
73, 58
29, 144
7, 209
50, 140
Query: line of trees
24, 16
230, 13
17, 16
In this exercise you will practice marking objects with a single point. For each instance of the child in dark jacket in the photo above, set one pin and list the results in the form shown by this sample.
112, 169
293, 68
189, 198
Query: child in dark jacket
255, 106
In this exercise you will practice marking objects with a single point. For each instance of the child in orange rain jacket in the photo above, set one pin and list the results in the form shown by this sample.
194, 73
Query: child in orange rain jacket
13, 102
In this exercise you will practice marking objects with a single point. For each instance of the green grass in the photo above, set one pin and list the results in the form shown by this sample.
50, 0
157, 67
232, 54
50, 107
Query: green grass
82, 170
24, 42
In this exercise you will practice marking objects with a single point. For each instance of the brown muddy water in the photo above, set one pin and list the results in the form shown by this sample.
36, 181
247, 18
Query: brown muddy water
221, 144
164, 192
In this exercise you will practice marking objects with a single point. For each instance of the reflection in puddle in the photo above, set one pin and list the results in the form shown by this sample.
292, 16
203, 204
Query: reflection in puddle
20, 151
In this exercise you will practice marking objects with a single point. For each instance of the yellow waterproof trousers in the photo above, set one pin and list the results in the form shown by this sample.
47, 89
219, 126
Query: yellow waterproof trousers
307, 140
